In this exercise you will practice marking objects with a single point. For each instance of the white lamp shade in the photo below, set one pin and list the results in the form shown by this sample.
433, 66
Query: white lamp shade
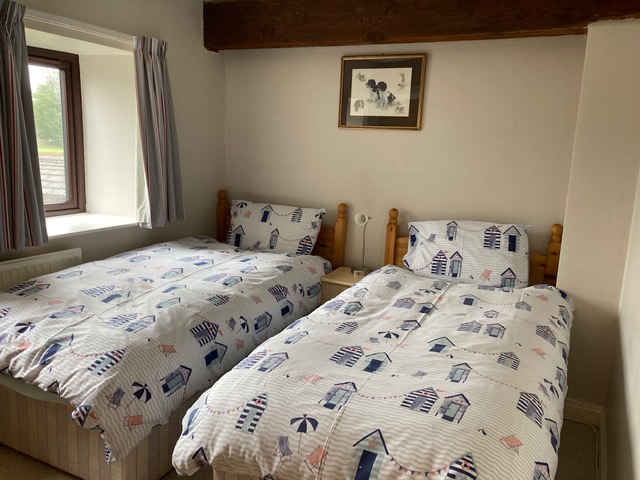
362, 218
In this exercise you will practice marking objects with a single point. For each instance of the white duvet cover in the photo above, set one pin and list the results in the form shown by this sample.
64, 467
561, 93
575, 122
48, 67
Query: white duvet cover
127, 339
398, 377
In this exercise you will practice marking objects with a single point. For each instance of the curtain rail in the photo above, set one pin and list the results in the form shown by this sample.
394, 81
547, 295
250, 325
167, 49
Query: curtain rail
73, 28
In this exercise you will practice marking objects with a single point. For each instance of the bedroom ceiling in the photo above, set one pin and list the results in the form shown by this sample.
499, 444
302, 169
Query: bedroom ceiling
241, 24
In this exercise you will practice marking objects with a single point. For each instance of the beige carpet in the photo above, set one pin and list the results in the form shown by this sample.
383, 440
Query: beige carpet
578, 454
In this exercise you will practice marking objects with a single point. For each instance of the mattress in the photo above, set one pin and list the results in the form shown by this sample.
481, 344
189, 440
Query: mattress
399, 376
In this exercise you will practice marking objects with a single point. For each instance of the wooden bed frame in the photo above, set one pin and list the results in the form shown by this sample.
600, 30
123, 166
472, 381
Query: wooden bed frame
39, 423
331, 240
543, 268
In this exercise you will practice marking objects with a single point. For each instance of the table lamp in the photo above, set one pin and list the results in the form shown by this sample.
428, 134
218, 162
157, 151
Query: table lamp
362, 219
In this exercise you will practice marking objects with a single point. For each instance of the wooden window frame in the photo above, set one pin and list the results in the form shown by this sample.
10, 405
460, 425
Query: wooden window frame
69, 63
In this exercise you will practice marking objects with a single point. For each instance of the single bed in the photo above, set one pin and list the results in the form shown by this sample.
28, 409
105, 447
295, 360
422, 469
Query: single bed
401, 376
118, 345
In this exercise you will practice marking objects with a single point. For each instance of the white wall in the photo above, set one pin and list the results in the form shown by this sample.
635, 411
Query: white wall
110, 173
496, 143
600, 202
197, 84
622, 414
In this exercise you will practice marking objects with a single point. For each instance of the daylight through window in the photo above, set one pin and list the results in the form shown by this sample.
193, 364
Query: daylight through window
55, 90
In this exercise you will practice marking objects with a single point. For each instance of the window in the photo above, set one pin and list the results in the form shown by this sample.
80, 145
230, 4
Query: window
57, 105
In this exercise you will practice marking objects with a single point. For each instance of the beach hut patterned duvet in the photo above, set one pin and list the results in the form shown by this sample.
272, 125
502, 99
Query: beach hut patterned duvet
126, 340
394, 391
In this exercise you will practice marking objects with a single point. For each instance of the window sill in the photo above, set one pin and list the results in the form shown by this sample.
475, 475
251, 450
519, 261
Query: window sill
67, 225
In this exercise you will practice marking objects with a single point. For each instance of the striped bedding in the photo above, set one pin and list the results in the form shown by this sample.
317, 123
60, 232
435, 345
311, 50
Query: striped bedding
398, 377
125, 340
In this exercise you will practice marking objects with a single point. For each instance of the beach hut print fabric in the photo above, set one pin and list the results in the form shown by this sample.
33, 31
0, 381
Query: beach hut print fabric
421, 400
470, 252
129, 338
397, 393
276, 228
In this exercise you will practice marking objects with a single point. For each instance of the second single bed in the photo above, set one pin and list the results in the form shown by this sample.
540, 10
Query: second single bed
402, 375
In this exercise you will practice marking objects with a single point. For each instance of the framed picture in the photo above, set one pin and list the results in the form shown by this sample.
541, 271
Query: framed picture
382, 91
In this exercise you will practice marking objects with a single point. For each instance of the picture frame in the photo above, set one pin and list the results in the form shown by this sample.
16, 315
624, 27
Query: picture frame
382, 91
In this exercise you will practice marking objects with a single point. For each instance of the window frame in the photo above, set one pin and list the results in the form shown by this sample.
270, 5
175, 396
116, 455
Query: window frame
69, 63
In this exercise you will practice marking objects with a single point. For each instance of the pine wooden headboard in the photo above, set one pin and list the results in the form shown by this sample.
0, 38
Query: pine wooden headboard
543, 268
331, 240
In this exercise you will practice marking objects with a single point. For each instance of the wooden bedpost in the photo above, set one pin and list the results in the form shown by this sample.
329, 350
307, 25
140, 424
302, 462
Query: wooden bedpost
543, 267
222, 214
339, 237
390, 238
553, 255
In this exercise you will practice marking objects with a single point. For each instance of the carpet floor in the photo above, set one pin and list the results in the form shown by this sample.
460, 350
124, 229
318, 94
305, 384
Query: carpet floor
578, 460
578, 454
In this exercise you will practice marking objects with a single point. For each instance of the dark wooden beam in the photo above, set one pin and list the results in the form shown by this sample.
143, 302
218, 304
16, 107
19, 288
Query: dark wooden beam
236, 24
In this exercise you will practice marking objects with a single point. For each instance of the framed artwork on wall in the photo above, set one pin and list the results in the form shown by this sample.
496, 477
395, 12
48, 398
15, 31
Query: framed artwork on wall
384, 91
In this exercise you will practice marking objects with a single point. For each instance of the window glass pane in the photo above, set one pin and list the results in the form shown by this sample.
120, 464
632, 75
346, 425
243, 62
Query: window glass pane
47, 91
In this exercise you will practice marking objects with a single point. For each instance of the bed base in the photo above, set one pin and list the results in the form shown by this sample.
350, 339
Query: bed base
543, 268
331, 239
44, 430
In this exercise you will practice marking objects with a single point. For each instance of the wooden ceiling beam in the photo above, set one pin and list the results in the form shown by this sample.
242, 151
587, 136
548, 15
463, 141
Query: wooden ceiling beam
240, 24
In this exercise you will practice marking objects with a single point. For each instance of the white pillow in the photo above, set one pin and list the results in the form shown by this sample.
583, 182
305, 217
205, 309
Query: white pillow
275, 228
470, 252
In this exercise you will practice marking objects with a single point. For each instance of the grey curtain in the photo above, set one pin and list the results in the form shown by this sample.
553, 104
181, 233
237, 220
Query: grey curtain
158, 139
22, 218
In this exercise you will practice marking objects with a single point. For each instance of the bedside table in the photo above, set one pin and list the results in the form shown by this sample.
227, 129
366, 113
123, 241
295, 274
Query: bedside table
337, 282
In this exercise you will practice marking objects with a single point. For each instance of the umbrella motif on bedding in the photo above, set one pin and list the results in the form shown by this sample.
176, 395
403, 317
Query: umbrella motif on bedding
304, 423
244, 324
389, 335
141, 392
24, 327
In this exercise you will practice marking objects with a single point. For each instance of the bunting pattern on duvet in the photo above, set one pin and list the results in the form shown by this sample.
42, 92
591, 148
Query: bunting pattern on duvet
400, 376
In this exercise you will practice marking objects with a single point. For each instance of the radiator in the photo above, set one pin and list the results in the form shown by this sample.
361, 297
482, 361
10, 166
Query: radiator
16, 271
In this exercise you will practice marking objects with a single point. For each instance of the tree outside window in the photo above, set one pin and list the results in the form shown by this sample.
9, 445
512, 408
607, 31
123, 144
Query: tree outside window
55, 91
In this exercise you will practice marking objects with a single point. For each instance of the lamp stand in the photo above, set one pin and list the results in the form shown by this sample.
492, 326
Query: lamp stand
362, 270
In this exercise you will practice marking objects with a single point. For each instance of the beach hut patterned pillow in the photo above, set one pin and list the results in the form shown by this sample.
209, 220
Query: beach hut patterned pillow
489, 254
275, 228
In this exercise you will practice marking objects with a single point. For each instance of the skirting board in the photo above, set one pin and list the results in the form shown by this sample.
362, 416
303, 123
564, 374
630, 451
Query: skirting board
590, 414
583, 412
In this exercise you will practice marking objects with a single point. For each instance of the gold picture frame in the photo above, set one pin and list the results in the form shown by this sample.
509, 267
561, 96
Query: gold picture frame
382, 91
